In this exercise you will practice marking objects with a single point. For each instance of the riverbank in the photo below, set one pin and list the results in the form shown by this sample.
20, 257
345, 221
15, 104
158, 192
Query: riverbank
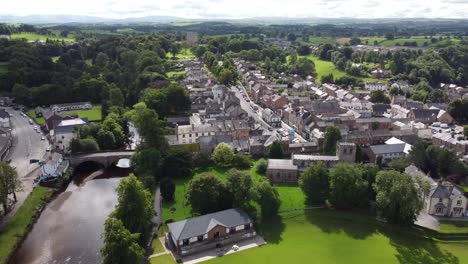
23, 221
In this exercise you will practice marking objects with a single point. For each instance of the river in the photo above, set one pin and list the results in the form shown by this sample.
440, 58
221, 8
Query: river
70, 227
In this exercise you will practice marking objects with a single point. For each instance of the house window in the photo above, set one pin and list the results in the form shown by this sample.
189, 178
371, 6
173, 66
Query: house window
216, 235
439, 210
196, 134
190, 135
232, 230
185, 242
440, 200
459, 202
247, 227
183, 135
200, 238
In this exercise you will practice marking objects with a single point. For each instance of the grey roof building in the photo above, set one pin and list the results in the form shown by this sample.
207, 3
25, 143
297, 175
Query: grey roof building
207, 231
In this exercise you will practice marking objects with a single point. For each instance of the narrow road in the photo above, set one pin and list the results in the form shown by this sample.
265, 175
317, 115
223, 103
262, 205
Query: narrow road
27, 144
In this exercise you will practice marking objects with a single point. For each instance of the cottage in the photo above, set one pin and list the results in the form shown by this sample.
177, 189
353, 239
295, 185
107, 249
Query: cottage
446, 199
209, 231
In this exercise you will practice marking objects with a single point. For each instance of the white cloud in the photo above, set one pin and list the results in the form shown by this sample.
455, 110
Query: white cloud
242, 8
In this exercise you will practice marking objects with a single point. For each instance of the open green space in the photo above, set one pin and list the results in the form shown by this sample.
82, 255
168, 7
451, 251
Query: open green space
465, 187
33, 37
183, 54
163, 259
453, 227
324, 68
156, 246
175, 74
420, 40
324, 236
93, 114
18, 225
291, 197
32, 114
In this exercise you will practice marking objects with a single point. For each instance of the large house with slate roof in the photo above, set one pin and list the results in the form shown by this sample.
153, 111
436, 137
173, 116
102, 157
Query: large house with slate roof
209, 231
446, 199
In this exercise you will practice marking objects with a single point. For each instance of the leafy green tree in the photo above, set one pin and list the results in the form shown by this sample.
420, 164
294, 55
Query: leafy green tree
276, 150
149, 126
178, 163
206, 193
261, 166
465, 131
241, 161
240, 184
268, 198
418, 156
101, 60
135, 208
9, 184
120, 245
399, 197
458, 109
379, 97
314, 183
305, 67
175, 49
390, 36
223, 155
147, 161
331, 137
327, 78
116, 97
348, 188
167, 189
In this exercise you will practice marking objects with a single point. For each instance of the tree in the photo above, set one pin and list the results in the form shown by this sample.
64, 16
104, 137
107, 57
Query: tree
303, 50
135, 208
379, 97
261, 166
241, 161
116, 97
267, 198
465, 131
223, 155
399, 197
206, 193
304, 67
390, 36
167, 189
331, 137
175, 49
314, 183
9, 184
437, 96
327, 78
276, 150
347, 187
178, 163
240, 184
147, 161
120, 245
418, 156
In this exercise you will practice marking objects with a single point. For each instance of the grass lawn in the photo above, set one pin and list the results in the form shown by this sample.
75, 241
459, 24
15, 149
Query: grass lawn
453, 227
175, 74
325, 68
33, 37
418, 39
55, 58
182, 211
183, 54
163, 259
16, 228
32, 114
323, 236
157, 246
291, 197
465, 187
93, 114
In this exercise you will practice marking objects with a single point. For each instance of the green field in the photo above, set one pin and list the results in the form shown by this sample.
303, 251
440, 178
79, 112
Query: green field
453, 227
183, 54
163, 259
93, 114
418, 39
291, 197
324, 236
32, 114
33, 37
175, 74
17, 226
324, 68
156, 246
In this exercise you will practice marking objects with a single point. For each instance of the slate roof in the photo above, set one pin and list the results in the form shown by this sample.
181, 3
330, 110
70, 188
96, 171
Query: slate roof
388, 148
380, 108
201, 225
425, 113
439, 191
281, 164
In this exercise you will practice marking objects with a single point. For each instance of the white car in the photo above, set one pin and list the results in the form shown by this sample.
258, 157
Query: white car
48, 149
42, 138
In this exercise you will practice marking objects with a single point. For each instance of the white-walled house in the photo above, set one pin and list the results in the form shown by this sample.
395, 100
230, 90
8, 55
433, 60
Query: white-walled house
446, 199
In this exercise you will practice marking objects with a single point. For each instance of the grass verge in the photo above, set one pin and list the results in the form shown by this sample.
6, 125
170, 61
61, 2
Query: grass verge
19, 225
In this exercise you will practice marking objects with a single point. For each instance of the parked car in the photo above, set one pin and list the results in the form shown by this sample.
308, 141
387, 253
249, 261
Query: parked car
42, 138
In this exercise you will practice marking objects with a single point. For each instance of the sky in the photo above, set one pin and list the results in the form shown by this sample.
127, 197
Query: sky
241, 8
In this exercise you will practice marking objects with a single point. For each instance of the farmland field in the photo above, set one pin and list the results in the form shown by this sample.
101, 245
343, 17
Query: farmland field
93, 114
33, 37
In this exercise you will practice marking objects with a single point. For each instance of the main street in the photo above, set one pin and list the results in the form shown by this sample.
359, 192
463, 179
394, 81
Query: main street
257, 115
27, 144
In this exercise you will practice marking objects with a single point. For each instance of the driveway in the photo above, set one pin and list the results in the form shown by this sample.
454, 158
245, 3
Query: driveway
428, 221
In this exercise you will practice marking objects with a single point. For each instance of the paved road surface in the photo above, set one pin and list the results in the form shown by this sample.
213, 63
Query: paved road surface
27, 144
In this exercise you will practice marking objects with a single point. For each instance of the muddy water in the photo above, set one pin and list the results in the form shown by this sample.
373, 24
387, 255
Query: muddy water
70, 227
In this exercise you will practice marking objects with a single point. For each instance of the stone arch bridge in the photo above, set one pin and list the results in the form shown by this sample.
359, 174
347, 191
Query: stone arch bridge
104, 158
